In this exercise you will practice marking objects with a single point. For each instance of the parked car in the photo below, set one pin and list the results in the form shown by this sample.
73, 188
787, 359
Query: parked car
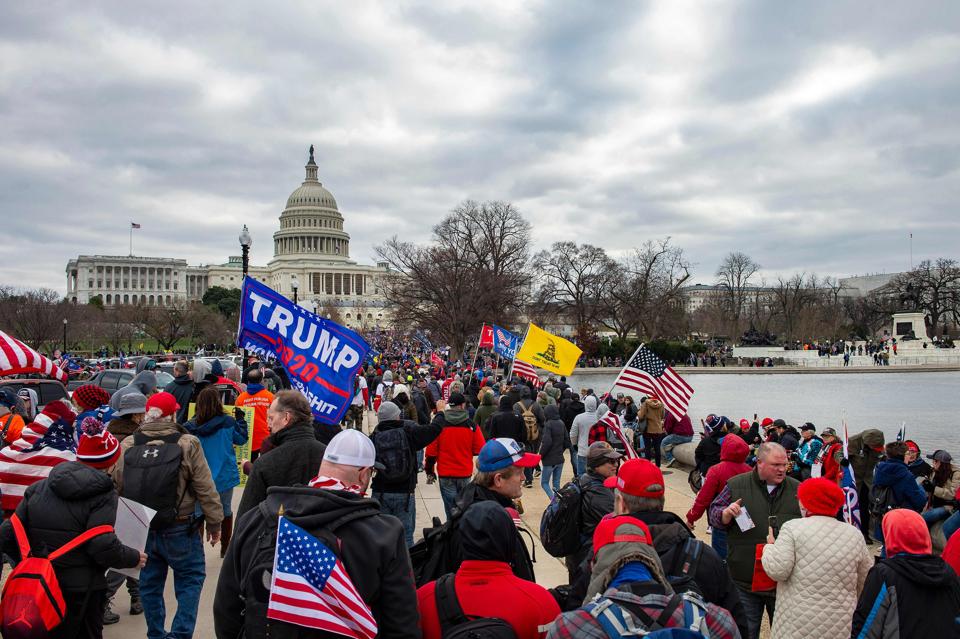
113, 378
48, 390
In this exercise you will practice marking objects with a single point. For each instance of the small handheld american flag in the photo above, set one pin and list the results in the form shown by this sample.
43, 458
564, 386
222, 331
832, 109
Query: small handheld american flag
526, 371
311, 588
647, 373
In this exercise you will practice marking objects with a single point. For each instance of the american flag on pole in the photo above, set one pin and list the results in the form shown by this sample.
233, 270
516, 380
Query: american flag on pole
612, 420
851, 504
647, 373
18, 358
134, 225
310, 587
526, 371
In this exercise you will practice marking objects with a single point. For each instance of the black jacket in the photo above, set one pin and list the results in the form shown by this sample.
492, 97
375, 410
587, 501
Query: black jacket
570, 408
522, 564
908, 596
707, 453
669, 534
73, 499
293, 461
418, 437
371, 548
554, 439
505, 423
182, 388
595, 503
422, 406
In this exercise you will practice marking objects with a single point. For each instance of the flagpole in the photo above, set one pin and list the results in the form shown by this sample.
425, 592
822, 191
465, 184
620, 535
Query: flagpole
630, 359
519, 348
476, 353
131, 239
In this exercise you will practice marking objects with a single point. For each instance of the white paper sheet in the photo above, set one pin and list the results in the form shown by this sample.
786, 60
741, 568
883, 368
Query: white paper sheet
744, 521
132, 527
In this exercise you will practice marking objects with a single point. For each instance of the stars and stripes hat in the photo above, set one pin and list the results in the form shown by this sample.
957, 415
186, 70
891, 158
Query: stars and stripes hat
502, 452
637, 477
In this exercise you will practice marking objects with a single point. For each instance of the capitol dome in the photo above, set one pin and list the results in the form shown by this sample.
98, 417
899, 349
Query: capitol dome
312, 194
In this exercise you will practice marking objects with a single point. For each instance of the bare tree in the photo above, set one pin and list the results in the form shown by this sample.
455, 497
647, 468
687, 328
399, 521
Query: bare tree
790, 298
34, 316
574, 279
475, 270
658, 272
733, 276
931, 287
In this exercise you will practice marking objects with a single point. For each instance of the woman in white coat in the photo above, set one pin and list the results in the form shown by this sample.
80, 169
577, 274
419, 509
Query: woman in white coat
819, 564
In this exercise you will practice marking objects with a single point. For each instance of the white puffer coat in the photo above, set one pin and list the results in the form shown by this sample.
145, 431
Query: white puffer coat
819, 565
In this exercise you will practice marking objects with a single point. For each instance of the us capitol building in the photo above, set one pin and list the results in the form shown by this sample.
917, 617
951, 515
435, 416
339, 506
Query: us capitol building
311, 247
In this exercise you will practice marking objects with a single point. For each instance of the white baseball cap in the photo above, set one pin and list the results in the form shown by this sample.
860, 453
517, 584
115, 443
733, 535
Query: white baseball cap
352, 448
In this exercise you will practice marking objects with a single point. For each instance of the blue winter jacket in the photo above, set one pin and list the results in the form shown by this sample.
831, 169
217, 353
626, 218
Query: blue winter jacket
896, 474
218, 437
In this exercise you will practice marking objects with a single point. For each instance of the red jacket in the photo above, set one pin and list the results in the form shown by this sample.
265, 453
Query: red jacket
733, 452
454, 449
831, 467
490, 589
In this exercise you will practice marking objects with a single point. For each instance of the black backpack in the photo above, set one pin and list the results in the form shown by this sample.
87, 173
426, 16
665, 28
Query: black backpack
681, 574
393, 451
151, 476
438, 553
257, 575
882, 501
454, 623
561, 521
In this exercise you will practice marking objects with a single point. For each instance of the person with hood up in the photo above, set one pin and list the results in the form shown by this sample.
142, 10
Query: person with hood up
911, 593
332, 507
580, 432
391, 487
570, 407
384, 390
629, 574
218, 434
651, 411
733, 456
529, 409
709, 450
893, 473
865, 451
144, 383
145, 364
488, 407
819, 564
181, 388
484, 585
506, 423
451, 454
76, 496
554, 441
259, 398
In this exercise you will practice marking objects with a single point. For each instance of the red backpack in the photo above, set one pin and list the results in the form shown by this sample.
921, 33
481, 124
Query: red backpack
32, 604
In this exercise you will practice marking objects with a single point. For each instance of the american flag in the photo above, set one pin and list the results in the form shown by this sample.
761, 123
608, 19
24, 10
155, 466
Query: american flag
647, 373
310, 587
526, 371
43, 444
612, 420
16, 357
851, 504
134, 225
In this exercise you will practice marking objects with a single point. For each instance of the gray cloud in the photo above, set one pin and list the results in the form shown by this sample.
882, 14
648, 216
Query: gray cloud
812, 136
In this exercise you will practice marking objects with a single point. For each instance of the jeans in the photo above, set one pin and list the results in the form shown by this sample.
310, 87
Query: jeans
403, 507
754, 603
951, 525
179, 547
551, 474
934, 515
718, 540
666, 446
581, 465
573, 461
450, 488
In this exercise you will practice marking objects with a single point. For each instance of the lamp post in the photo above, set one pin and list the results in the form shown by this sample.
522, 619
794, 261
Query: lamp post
64, 336
295, 284
245, 243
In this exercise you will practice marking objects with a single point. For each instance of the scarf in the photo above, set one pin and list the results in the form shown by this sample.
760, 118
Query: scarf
329, 483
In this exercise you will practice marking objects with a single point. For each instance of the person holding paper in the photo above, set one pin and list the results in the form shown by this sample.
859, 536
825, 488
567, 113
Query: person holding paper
750, 504
75, 497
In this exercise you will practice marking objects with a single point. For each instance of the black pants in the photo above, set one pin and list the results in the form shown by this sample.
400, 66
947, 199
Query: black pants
84, 618
863, 493
652, 446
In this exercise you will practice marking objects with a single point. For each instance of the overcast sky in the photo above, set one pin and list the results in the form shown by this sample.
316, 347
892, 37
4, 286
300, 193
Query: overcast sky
809, 135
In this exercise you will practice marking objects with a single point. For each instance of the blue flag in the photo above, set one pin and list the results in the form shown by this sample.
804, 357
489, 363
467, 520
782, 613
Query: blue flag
505, 343
320, 356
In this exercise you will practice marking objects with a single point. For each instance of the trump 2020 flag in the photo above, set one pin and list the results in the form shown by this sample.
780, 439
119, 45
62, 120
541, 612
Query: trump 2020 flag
851, 502
504, 342
320, 356
310, 587
486, 337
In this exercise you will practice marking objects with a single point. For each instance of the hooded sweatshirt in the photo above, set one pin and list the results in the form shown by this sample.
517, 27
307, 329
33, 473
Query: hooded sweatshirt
911, 593
453, 451
506, 423
580, 430
182, 388
487, 408
652, 411
145, 382
554, 438
218, 437
733, 455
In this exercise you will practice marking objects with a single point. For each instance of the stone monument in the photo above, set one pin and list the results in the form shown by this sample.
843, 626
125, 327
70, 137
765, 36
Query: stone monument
910, 330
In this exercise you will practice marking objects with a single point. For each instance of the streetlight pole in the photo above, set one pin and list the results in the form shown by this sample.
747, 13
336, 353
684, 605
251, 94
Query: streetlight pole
295, 284
245, 243
64, 335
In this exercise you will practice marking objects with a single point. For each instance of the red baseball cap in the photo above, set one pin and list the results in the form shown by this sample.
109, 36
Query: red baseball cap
620, 529
166, 402
637, 477
912, 445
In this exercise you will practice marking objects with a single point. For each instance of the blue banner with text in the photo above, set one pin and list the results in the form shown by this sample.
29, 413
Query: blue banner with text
320, 356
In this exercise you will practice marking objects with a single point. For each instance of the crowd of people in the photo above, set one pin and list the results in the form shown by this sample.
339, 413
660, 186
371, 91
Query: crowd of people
774, 499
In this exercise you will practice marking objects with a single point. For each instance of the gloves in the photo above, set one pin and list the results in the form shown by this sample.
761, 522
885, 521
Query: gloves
844, 462
927, 485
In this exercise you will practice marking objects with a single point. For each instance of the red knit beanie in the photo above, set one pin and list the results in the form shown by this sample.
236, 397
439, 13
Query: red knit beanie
905, 531
90, 396
820, 496
98, 447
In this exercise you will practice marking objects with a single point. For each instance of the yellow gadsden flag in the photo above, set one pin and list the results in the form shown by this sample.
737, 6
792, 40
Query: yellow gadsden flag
549, 352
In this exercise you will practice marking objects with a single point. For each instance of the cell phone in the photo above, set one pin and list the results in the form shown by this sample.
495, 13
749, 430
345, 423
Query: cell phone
754, 417
772, 524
